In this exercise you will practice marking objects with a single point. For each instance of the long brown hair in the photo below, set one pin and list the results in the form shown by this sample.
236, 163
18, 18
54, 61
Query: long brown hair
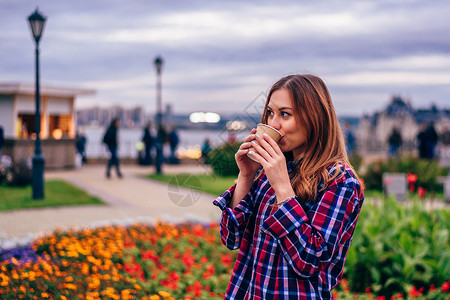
325, 146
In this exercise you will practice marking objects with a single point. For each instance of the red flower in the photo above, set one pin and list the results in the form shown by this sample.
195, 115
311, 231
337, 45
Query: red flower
414, 292
135, 270
345, 286
421, 191
197, 289
380, 298
412, 178
151, 255
174, 276
188, 258
446, 287
169, 284
226, 260
127, 244
210, 271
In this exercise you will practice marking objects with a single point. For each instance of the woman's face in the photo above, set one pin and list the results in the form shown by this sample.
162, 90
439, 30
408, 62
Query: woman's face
281, 117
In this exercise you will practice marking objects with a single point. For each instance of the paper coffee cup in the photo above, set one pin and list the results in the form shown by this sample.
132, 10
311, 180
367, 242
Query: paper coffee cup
270, 131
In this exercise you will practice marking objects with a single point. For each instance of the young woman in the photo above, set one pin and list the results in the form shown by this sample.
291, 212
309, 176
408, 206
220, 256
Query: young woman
293, 219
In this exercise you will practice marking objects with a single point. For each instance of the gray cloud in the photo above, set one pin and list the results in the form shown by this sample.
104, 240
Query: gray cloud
220, 55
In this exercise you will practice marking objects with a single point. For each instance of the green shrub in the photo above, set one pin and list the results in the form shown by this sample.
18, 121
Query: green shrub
356, 161
427, 171
222, 159
396, 247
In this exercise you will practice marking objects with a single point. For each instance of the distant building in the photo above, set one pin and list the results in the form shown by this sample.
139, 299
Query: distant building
374, 130
57, 124
133, 117
17, 110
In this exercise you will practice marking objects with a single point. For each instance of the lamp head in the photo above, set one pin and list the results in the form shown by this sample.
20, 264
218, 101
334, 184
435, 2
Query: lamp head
37, 23
158, 64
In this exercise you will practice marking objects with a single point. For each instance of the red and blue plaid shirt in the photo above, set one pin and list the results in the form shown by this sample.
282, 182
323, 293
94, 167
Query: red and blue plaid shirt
296, 251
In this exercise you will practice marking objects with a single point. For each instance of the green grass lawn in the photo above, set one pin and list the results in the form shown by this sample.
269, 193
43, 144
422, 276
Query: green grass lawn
206, 183
57, 193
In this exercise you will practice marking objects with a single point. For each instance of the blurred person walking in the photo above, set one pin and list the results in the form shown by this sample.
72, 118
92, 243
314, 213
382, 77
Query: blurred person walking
395, 141
81, 146
427, 140
173, 143
149, 143
2, 139
206, 148
111, 140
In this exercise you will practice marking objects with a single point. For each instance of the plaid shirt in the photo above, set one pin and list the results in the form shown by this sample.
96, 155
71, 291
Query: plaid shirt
293, 252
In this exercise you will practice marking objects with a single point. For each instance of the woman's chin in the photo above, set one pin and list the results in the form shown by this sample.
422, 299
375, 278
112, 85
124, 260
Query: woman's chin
284, 148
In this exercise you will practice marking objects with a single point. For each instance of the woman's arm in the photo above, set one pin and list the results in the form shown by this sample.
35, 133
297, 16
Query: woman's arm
243, 185
310, 242
234, 220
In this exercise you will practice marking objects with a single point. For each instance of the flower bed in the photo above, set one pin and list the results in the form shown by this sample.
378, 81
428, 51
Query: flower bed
162, 261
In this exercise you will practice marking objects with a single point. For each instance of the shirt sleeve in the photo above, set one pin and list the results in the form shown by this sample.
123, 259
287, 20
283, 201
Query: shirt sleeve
309, 241
234, 221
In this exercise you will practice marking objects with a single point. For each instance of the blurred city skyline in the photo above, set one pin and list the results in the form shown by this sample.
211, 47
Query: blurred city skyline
221, 56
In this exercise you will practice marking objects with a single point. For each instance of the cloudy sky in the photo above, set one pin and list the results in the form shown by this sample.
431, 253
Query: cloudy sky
222, 55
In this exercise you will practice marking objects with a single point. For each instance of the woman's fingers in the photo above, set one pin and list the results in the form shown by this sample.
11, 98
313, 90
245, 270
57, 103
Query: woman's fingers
244, 148
250, 138
261, 151
266, 147
272, 143
245, 145
242, 152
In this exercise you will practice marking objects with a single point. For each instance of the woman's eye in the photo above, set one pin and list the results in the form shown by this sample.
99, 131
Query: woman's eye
285, 114
269, 112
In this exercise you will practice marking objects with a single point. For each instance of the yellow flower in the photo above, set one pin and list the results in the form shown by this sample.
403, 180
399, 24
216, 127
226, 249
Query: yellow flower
94, 283
70, 286
5, 281
155, 297
45, 295
164, 294
15, 275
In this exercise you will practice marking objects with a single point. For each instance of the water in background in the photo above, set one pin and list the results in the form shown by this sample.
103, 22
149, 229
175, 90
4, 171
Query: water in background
129, 137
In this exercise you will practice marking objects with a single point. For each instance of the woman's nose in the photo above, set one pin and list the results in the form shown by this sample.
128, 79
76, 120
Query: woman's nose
275, 123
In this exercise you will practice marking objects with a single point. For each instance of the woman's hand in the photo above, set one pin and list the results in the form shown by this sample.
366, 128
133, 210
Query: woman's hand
270, 156
247, 167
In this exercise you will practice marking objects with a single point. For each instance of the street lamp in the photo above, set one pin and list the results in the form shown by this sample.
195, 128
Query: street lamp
161, 134
37, 23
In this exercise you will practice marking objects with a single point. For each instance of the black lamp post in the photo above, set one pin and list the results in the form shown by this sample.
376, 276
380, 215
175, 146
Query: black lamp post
161, 134
37, 23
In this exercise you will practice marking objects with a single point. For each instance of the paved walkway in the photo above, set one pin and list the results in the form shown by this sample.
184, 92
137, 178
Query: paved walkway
128, 199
